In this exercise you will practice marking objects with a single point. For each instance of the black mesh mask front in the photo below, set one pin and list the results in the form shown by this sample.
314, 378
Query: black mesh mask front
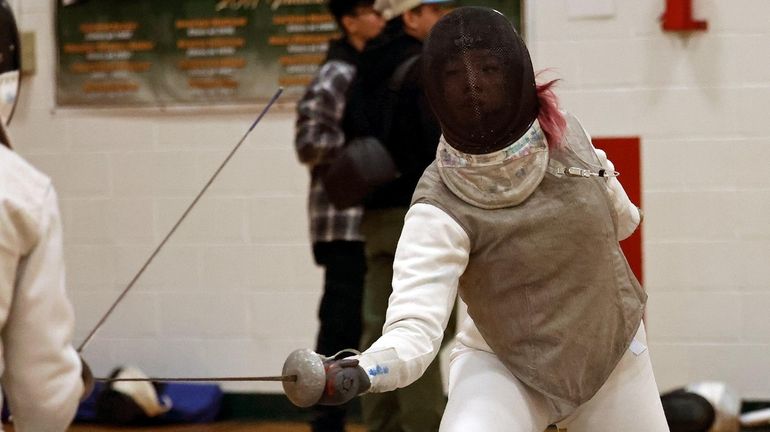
479, 80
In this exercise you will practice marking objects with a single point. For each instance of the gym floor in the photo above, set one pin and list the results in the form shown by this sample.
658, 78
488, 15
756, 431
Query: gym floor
212, 427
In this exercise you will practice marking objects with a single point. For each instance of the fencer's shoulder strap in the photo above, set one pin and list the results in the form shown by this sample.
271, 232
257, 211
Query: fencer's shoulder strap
397, 79
391, 98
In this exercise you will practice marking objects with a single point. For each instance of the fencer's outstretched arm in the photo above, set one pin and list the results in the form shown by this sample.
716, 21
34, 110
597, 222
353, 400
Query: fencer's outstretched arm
431, 255
41, 376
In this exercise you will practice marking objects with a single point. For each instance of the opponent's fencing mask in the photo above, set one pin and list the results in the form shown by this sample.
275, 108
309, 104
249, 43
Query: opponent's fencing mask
479, 80
10, 68
702, 407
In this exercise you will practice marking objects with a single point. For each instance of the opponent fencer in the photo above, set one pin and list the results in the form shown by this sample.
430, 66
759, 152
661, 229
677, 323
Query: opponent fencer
40, 368
40, 372
521, 216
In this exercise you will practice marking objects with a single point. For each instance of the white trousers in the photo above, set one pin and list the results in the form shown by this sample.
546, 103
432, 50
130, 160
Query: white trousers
485, 396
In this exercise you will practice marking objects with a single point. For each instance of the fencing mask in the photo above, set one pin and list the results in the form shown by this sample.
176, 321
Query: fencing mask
480, 83
10, 68
707, 406
479, 80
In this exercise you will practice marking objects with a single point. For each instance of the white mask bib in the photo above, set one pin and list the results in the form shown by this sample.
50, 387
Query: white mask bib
504, 178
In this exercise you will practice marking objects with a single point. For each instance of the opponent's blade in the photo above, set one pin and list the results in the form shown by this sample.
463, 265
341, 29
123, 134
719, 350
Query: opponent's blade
154, 253
282, 378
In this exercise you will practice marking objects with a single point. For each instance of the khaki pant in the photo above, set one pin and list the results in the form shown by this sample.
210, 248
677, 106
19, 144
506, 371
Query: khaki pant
419, 406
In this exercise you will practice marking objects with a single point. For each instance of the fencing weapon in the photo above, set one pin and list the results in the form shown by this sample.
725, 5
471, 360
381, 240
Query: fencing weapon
88, 378
303, 378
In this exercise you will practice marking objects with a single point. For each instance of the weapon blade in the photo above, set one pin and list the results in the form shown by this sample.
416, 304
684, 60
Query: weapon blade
176, 225
281, 378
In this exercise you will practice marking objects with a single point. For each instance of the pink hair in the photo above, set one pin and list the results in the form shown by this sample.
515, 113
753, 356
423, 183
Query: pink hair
551, 119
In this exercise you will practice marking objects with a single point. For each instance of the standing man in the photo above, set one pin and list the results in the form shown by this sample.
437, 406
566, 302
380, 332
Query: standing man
337, 241
411, 139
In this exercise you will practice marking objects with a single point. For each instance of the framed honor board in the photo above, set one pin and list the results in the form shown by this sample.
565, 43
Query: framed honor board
151, 53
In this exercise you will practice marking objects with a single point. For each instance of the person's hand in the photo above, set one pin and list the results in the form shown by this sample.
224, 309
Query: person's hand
345, 379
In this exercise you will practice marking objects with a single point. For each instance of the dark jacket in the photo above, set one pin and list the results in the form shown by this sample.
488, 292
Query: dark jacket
340, 49
414, 132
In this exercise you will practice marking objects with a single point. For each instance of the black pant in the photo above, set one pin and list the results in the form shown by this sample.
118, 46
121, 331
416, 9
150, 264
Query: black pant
339, 313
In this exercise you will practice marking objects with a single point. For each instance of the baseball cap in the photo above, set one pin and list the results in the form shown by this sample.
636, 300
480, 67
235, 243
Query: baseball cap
393, 8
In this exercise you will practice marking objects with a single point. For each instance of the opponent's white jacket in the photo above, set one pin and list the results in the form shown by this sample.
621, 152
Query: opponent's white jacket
431, 256
40, 369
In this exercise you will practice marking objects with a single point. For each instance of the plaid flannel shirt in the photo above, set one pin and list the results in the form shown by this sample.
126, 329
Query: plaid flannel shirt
318, 137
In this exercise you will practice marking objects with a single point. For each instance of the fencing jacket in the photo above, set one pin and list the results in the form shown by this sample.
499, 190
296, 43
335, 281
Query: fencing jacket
40, 369
547, 287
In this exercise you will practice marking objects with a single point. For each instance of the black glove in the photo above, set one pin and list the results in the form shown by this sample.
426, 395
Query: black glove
345, 379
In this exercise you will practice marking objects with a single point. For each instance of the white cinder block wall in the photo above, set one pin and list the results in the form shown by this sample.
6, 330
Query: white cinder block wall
701, 105
236, 290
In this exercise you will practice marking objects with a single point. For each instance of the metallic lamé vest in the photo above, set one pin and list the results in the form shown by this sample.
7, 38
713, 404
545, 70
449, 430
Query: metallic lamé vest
547, 283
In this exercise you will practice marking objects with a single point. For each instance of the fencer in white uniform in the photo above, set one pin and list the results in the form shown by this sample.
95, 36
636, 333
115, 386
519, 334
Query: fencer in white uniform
521, 217
40, 370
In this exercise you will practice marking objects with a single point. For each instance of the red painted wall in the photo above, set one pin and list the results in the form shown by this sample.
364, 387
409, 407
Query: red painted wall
625, 155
